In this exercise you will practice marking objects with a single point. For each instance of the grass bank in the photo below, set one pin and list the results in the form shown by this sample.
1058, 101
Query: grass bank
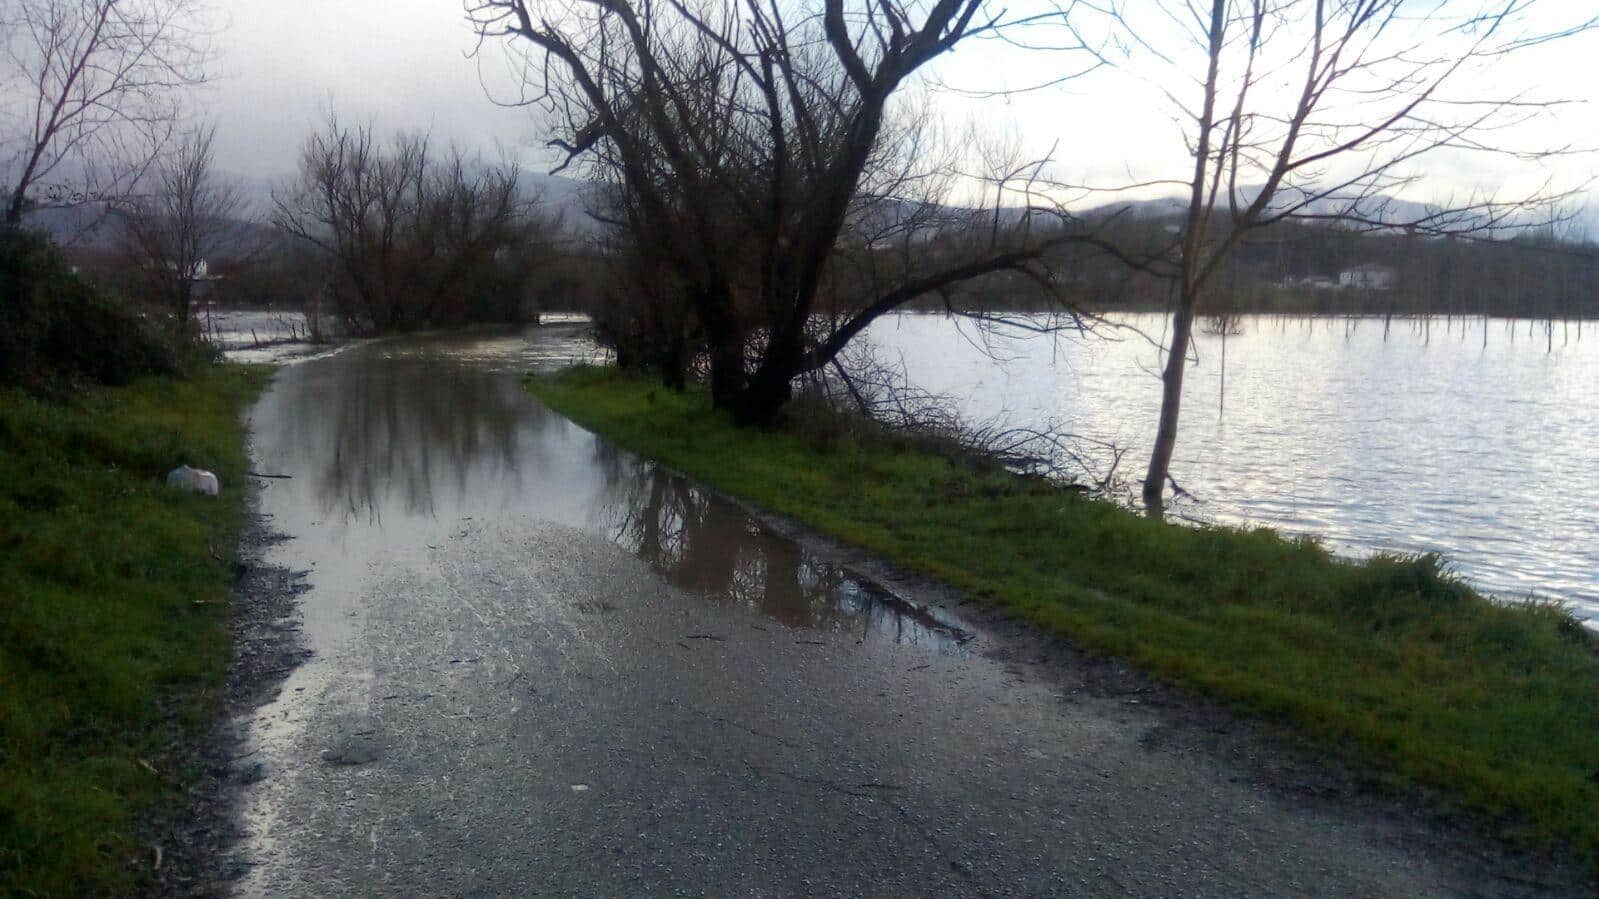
113, 613
1391, 660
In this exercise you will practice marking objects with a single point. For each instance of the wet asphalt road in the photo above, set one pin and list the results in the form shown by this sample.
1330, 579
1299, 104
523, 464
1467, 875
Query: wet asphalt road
543, 667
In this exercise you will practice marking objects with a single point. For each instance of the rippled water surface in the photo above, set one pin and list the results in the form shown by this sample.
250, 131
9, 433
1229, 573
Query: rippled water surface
1413, 438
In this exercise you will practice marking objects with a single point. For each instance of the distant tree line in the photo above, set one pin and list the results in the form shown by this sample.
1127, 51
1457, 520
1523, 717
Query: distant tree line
771, 177
370, 236
1533, 273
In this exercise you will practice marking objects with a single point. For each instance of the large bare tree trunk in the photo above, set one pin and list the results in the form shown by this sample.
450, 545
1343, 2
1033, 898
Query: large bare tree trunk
727, 372
768, 392
771, 386
674, 361
724, 340
185, 305
1171, 401
756, 179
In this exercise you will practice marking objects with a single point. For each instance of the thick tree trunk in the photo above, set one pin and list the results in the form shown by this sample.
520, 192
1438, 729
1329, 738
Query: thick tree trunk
727, 370
1171, 402
185, 308
725, 342
674, 367
772, 385
677, 358
769, 390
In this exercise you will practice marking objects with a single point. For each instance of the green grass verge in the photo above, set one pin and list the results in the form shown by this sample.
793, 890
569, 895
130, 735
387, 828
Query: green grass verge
1392, 661
113, 613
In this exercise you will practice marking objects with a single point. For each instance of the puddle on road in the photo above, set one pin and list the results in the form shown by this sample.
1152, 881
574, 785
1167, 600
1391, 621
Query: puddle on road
398, 443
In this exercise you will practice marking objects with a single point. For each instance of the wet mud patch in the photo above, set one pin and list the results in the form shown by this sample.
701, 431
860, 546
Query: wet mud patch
189, 847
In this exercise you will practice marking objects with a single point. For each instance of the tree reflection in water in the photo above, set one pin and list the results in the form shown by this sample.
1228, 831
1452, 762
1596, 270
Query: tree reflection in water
415, 432
707, 545
431, 430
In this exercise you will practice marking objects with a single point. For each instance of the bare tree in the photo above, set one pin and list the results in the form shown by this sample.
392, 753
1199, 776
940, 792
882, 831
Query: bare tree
1323, 110
188, 222
415, 239
92, 93
756, 143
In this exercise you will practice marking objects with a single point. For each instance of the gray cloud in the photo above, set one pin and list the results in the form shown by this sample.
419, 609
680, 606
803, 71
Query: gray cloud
400, 63
404, 65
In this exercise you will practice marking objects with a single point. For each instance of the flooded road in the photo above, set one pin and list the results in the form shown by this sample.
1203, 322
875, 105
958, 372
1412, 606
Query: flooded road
543, 666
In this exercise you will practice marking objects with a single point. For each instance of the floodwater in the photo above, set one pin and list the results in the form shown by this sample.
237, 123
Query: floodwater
1415, 438
285, 335
541, 666
397, 443
232, 329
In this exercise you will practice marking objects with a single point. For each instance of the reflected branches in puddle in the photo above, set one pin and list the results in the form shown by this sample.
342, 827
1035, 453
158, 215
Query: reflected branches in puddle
416, 436
399, 435
710, 547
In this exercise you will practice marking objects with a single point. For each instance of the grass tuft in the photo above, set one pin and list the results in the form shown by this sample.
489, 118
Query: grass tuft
113, 638
1394, 659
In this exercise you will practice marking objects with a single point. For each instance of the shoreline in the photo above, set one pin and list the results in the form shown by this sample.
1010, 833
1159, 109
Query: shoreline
1381, 678
198, 845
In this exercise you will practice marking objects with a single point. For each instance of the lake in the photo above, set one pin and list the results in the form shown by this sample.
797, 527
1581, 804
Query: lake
1426, 438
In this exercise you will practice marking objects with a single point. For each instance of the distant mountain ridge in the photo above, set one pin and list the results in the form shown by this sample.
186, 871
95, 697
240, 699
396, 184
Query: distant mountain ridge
93, 226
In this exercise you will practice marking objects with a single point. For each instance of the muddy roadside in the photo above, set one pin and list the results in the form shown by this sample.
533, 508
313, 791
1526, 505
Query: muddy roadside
1270, 756
188, 846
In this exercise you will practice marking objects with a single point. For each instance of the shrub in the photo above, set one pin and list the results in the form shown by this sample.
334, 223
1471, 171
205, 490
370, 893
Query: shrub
57, 331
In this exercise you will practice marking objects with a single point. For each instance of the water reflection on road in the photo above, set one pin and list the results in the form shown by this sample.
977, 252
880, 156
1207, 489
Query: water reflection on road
710, 547
397, 442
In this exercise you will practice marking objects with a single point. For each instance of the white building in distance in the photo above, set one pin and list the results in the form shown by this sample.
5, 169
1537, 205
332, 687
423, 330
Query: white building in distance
1368, 277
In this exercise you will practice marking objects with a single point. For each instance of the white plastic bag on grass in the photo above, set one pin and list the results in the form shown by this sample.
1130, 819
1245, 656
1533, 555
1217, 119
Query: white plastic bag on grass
194, 480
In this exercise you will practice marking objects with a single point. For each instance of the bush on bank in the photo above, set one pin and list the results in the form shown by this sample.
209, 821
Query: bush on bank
1392, 659
58, 332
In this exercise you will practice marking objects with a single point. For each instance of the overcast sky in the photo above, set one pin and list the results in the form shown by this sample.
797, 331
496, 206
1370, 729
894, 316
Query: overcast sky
400, 63
404, 64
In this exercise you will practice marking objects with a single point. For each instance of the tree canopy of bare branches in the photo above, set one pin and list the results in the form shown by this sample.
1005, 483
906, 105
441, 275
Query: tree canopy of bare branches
415, 238
187, 221
90, 93
760, 157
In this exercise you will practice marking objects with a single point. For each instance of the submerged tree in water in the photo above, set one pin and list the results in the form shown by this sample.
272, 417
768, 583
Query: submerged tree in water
1318, 111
